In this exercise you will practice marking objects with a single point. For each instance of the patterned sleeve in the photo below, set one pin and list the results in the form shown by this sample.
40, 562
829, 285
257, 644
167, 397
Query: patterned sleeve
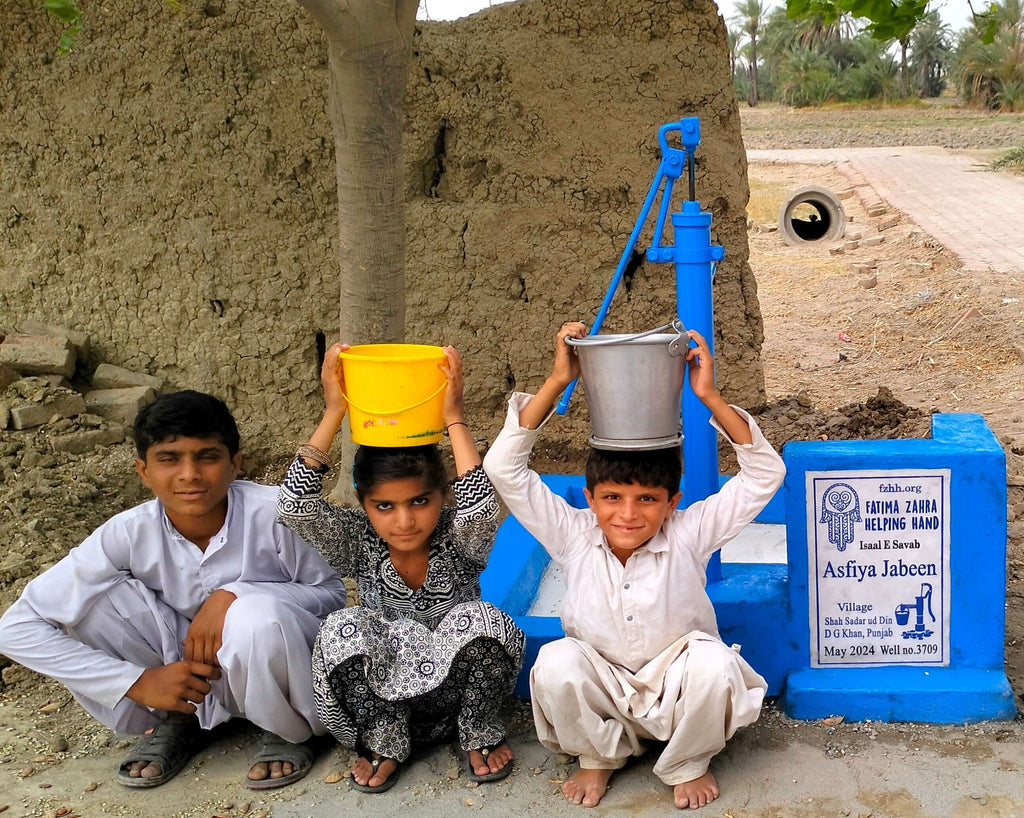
332, 530
476, 515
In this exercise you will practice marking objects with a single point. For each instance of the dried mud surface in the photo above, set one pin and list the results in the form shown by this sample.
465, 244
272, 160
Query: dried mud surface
846, 354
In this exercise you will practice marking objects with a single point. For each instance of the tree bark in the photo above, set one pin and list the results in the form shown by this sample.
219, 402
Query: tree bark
369, 45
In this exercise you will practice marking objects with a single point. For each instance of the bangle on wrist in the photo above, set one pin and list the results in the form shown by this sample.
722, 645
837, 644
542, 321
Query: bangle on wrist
316, 455
455, 423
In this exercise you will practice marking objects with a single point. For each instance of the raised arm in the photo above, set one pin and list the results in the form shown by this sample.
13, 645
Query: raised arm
335, 406
565, 370
300, 502
701, 366
464, 448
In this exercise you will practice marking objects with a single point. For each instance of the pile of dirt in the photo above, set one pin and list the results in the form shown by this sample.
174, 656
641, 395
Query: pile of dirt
50, 501
796, 418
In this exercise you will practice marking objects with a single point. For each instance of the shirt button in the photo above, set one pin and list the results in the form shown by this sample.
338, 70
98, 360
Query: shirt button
629, 618
626, 586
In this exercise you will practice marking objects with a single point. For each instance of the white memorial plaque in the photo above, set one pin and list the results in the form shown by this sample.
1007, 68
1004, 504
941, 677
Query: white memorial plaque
878, 567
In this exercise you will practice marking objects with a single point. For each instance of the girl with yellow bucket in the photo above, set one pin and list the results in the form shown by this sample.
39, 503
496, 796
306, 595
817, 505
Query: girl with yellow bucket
422, 658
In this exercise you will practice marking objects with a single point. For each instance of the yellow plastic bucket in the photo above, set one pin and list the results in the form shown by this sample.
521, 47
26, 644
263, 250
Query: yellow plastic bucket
395, 393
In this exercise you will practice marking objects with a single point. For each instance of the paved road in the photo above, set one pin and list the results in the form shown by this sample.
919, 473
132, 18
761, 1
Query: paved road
976, 213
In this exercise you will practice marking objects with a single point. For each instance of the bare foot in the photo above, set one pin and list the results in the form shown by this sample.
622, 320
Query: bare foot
587, 787
697, 793
362, 771
275, 769
496, 760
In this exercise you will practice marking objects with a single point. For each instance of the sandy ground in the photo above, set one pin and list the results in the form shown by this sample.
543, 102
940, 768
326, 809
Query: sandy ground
916, 324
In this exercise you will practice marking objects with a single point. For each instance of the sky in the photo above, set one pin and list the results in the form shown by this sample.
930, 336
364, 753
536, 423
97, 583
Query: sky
955, 13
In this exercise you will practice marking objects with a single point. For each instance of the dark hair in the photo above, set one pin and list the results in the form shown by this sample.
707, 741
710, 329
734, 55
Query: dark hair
184, 414
374, 465
658, 468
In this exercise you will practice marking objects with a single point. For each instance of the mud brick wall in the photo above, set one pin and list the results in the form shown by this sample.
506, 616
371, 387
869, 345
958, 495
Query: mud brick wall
169, 189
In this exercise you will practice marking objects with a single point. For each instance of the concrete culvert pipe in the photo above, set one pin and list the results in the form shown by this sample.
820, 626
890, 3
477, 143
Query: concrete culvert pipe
810, 215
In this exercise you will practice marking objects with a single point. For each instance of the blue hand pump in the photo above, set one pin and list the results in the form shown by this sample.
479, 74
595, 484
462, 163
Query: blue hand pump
695, 258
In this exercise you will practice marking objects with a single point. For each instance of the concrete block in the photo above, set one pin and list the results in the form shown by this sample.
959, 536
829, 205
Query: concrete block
80, 340
38, 355
851, 245
885, 224
85, 440
8, 375
36, 414
120, 405
108, 376
56, 380
837, 250
873, 241
47, 340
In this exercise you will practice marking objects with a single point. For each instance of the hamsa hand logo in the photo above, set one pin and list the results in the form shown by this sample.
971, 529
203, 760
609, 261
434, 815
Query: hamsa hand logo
840, 508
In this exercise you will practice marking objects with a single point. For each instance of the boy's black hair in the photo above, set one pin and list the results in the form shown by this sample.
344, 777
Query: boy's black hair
374, 465
658, 468
184, 414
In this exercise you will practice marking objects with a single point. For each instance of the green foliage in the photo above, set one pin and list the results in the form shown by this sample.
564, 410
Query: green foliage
817, 59
990, 61
931, 55
70, 15
805, 78
890, 19
1011, 160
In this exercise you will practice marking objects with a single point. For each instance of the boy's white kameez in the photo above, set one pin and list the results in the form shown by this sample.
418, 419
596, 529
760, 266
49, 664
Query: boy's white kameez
642, 658
123, 600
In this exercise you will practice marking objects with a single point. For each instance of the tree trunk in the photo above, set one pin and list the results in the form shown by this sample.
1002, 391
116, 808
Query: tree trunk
369, 50
754, 98
369, 45
904, 85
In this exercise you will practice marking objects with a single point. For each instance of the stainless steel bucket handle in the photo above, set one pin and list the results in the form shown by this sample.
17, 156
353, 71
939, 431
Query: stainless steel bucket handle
677, 346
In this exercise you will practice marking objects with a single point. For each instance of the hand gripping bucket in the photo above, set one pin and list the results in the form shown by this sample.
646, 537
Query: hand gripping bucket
395, 393
634, 384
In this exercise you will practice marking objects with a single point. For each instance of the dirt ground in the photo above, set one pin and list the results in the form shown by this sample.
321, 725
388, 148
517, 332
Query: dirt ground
850, 351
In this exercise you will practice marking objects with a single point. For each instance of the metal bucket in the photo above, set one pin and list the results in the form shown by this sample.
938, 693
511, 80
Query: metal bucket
634, 384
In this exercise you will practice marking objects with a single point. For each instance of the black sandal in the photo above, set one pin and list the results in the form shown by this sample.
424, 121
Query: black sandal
497, 775
389, 782
275, 748
169, 745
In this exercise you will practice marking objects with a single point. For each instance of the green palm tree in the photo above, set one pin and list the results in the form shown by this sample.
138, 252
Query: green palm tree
930, 46
990, 69
733, 37
749, 17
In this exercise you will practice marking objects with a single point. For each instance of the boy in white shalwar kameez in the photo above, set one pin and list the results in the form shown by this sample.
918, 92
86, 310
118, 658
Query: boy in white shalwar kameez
187, 610
642, 659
